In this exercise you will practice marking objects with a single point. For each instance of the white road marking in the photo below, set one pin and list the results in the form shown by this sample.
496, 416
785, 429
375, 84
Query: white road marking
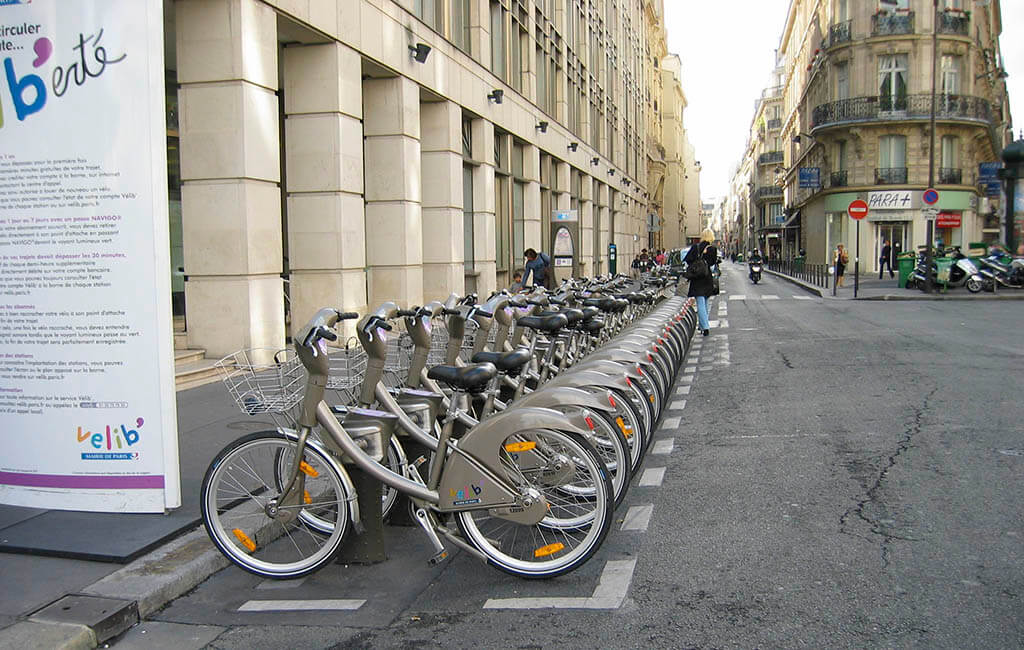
738, 296
683, 390
769, 297
300, 605
280, 584
690, 369
670, 423
723, 323
611, 591
638, 518
687, 379
652, 477
803, 297
678, 405
707, 367
663, 447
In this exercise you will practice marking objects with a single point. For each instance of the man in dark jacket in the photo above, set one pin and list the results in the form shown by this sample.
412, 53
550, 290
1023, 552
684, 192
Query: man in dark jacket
885, 259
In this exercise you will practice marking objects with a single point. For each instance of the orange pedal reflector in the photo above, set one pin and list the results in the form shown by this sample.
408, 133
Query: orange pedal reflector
590, 422
246, 542
550, 549
308, 470
306, 498
627, 431
514, 447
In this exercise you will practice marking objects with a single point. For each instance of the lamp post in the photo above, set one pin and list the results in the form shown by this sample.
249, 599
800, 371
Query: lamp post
930, 223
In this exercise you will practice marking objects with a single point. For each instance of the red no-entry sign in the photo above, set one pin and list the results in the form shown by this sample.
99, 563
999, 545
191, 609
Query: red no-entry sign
858, 209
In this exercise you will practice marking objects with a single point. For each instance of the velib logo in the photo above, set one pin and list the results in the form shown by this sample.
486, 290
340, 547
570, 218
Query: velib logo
106, 446
466, 495
88, 59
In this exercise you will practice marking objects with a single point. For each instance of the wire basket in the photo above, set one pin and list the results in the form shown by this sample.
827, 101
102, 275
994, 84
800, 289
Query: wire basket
263, 380
438, 343
469, 339
347, 366
399, 354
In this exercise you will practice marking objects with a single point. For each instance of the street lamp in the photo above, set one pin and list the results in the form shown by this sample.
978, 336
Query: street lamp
930, 225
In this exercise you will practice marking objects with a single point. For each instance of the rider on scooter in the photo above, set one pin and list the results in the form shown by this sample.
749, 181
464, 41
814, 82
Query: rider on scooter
755, 258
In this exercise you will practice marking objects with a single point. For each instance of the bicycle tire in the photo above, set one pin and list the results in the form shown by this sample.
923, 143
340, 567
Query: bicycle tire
236, 489
549, 548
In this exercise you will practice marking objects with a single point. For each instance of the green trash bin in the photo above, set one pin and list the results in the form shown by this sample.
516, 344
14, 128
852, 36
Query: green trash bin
798, 263
905, 266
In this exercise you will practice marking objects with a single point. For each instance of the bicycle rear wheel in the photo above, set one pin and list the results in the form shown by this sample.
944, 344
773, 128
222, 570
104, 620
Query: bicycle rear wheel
237, 497
576, 523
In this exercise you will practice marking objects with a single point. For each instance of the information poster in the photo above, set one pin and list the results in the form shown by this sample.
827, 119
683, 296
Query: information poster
86, 357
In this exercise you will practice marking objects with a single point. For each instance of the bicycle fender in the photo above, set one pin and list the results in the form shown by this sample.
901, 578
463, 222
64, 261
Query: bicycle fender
560, 396
346, 480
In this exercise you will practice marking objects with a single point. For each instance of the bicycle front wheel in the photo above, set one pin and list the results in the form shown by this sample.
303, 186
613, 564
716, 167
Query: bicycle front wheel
242, 513
580, 511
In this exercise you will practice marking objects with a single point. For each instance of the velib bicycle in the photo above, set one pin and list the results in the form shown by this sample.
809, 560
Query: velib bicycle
522, 491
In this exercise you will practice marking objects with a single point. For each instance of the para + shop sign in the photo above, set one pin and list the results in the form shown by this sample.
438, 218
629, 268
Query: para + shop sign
890, 200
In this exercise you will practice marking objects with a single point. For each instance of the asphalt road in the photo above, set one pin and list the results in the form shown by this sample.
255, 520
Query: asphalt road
843, 474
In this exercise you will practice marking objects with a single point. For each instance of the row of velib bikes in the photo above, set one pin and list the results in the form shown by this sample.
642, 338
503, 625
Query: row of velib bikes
508, 429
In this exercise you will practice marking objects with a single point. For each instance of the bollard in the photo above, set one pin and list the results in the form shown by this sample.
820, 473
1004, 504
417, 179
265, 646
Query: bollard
367, 547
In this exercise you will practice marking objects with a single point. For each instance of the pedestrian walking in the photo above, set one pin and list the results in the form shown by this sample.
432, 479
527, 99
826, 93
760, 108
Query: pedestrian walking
885, 259
703, 286
840, 259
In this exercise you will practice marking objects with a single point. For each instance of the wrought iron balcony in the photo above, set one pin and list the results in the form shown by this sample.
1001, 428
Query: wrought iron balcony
886, 108
892, 24
774, 124
839, 33
766, 192
770, 157
954, 23
838, 179
950, 176
890, 175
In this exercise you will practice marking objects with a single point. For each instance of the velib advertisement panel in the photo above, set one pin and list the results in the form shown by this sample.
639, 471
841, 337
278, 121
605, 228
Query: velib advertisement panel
86, 379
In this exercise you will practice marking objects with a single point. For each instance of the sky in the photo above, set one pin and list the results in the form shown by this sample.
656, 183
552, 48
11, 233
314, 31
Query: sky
728, 56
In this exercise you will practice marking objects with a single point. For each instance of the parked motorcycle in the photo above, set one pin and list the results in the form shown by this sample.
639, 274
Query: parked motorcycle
1003, 271
963, 272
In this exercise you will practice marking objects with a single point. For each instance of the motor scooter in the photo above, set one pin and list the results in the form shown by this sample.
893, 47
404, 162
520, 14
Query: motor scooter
963, 272
755, 272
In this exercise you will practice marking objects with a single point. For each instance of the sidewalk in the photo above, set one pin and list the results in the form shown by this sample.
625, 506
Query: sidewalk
871, 288
120, 567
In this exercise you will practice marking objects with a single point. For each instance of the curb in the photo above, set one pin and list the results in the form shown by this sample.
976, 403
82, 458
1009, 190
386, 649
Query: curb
150, 582
910, 295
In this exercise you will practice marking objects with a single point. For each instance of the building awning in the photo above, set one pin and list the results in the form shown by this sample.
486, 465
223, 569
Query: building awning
790, 223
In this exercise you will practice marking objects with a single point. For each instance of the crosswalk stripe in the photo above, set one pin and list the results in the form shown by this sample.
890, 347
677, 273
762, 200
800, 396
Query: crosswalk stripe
300, 605
638, 518
737, 296
803, 298
769, 297
652, 477
663, 447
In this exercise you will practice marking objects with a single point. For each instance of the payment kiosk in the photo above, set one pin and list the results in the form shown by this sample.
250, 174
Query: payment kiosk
564, 233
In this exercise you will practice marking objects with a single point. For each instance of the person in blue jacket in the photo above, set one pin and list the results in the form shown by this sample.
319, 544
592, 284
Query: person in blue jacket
536, 268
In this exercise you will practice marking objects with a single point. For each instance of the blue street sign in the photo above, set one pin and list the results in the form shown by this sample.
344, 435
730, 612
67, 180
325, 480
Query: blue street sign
988, 177
810, 177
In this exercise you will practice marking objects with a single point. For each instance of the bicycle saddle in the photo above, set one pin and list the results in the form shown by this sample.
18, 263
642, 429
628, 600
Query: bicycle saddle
472, 378
592, 326
551, 323
572, 316
604, 304
590, 312
504, 361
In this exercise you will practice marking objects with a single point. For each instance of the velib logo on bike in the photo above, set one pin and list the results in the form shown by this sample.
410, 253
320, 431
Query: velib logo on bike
465, 496
115, 443
27, 54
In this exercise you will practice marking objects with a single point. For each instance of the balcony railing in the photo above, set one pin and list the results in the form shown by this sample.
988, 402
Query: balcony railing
775, 124
890, 175
770, 157
839, 33
892, 24
954, 23
838, 179
950, 176
886, 108
767, 192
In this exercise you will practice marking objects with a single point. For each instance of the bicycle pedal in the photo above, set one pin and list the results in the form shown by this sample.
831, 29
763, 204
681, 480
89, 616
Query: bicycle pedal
437, 559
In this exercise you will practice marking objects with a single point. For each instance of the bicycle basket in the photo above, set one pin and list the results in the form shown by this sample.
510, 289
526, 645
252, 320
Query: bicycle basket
438, 343
469, 339
399, 354
263, 380
347, 366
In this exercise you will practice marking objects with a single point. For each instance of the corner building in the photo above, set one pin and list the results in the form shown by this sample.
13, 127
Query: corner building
856, 83
350, 152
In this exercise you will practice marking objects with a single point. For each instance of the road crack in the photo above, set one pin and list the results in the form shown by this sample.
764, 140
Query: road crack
882, 526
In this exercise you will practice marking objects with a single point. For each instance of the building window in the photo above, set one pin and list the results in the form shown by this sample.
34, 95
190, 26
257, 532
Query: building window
502, 201
460, 19
844, 11
431, 12
957, 5
892, 159
499, 39
469, 258
843, 80
840, 155
892, 82
885, 5
950, 74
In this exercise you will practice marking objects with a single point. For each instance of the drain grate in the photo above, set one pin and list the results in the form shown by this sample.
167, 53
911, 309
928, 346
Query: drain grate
107, 617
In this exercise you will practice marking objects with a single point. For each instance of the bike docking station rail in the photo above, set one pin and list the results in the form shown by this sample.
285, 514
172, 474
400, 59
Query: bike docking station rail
106, 608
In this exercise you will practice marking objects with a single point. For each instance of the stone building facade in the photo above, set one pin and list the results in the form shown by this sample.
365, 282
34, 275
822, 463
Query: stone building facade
856, 89
349, 152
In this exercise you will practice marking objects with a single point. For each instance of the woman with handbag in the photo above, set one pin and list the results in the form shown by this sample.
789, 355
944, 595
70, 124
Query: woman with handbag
701, 260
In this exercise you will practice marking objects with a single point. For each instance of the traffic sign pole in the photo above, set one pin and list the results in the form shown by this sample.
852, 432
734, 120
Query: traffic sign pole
858, 209
930, 197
